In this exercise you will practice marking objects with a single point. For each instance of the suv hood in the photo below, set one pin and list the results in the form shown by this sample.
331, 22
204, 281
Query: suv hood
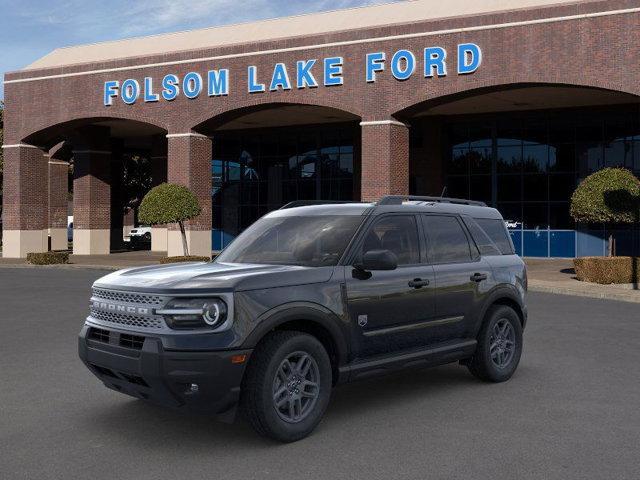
199, 277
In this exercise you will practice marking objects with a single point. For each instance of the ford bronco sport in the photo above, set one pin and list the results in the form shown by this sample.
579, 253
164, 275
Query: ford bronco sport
309, 297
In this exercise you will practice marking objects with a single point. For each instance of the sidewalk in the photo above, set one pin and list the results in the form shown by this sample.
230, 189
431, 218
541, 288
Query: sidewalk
115, 261
557, 276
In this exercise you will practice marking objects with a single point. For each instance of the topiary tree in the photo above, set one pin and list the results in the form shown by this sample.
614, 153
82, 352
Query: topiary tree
611, 195
170, 203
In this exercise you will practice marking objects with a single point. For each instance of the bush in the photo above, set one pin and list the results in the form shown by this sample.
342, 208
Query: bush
48, 258
189, 258
607, 270
611, 195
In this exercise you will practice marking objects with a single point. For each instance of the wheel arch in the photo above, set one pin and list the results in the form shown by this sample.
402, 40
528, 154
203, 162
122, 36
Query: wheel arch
312, 319
508, 298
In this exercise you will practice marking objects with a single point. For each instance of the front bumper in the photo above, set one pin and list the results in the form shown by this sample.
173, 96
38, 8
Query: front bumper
139, 366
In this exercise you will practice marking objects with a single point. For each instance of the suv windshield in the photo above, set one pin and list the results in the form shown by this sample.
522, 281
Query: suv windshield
313, 241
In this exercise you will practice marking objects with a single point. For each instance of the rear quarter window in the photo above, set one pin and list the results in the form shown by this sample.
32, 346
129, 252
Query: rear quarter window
496, 230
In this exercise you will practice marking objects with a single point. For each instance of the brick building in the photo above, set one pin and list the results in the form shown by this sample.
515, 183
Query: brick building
507, 101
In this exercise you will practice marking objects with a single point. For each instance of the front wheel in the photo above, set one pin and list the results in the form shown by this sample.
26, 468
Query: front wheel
499, 345
287, 386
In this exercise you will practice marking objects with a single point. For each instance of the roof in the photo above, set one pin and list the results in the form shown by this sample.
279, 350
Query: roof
286, 27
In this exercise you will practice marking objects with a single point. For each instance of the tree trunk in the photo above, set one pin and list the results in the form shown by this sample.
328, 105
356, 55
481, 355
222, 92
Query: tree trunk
610, 253
185, 247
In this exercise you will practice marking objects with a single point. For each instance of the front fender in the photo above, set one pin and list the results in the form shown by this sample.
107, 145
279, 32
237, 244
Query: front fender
301, 311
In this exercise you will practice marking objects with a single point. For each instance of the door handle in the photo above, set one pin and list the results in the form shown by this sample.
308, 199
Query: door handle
418, 283
478, 277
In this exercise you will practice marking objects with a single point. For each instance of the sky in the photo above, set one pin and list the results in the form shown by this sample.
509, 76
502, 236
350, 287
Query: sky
29, 29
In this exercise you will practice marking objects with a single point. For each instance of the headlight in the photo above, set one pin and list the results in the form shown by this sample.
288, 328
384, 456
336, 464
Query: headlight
190, 313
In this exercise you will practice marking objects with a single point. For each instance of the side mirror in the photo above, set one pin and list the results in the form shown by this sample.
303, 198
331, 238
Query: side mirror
378, 260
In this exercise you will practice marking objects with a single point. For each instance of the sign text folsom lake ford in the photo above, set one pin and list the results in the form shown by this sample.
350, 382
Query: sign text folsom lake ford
216, 82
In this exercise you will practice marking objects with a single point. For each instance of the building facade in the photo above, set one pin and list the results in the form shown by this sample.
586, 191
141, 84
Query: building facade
511, 107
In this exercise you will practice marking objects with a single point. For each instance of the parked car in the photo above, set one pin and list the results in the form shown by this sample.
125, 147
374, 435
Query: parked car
140, 238
69, 228
309, 297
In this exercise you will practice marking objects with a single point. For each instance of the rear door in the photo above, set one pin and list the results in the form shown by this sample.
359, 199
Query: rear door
461, 275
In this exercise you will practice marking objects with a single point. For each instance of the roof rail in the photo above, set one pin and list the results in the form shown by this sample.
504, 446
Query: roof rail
306, 203
398, 199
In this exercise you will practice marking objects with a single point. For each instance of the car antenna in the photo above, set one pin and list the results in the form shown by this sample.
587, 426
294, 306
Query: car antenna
444, 190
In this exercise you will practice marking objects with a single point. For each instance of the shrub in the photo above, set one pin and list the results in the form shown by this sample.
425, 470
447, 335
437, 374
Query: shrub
189, 258
607, 270
170, 203
611, 195
48, 258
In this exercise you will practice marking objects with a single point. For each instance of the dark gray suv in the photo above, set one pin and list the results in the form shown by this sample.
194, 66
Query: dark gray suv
309, 297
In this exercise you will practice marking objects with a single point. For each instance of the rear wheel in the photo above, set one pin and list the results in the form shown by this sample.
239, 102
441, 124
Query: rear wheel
287, 386
499, 345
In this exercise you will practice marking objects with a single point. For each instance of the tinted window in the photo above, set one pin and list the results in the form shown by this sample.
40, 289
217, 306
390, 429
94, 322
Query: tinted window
397, 234
482, 240
312, 241
497, 232
447, 241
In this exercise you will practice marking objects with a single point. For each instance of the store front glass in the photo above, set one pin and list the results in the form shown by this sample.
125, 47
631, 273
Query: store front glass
528, 164
258, 170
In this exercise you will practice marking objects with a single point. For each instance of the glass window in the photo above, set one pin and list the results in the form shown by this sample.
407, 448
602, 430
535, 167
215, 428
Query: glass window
312, 241
448, 242
510, 159
497, 232
482, 240
397, 234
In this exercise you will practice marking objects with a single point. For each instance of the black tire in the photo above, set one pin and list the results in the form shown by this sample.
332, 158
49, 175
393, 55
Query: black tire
260, 382
485, 364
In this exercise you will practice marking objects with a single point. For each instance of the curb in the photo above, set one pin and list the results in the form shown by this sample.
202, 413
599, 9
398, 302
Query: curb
65, 266
616, 296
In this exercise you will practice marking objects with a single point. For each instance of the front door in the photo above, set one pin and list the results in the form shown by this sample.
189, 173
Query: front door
389, 310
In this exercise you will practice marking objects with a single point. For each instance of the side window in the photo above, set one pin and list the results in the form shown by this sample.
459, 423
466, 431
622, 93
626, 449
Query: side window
397, 233
447, 241
497, 232
484, 243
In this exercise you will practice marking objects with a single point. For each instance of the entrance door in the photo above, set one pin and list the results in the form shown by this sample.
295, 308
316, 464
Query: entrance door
389, 310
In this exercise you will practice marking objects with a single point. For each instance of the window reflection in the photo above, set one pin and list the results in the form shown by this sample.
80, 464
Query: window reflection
538, 159
255, 171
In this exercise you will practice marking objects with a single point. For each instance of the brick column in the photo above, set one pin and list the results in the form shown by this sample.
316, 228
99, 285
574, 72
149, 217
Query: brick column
189, 164
92, 192
158, 175
58, 191
25, 212
385, 159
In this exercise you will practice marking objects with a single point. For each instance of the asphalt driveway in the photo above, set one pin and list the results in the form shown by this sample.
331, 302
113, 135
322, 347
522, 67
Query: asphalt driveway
571, 410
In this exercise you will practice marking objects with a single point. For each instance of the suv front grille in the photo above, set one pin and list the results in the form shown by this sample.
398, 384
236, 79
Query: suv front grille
128, 320
125, 297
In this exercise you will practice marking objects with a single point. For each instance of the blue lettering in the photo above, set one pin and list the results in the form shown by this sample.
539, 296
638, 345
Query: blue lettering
254, 87
280, 78
130, 91
110, 92
170, 87
192, 85
304, 77
149, 96
469, 58
218, 82
434, 58
403, 64
333, 71
375, 63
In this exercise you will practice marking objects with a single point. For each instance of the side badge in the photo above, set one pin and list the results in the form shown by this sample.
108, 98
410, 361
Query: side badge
362, 320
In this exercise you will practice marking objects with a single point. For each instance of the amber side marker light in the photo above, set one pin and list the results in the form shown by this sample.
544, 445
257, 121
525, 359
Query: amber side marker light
239, 358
